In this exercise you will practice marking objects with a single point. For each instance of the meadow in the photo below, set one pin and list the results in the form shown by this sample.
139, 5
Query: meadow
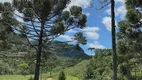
21, 77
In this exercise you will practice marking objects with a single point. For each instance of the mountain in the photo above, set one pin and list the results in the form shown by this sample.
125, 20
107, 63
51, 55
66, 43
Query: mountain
68, 50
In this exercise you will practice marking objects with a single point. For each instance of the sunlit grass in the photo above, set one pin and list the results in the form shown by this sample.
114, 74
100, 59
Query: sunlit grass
21, 77
14, 77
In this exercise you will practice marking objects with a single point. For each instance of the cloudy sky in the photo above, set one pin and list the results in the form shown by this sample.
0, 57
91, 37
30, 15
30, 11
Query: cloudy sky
98, 28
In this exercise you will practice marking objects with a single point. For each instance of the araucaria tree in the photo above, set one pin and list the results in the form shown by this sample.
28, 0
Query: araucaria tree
104, 3
62, 76
5, 29
45, 20
113, 31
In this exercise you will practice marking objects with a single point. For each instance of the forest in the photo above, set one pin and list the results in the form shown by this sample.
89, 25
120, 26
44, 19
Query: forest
51, 40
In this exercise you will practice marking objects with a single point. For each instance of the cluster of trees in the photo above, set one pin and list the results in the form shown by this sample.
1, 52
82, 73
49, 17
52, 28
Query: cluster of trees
100, 66
128, 49
44, 20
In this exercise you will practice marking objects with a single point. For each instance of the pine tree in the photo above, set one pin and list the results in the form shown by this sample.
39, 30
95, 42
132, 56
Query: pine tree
6, 30
129, 38
45, 20
113, 40
62, 76
104, 3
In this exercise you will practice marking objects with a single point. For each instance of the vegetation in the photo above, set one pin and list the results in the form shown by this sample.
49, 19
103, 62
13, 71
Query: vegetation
100, 66
29, 51
62, 76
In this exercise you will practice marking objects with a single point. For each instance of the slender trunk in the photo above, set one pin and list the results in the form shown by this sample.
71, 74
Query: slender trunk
38, 56
50, 73
113, 40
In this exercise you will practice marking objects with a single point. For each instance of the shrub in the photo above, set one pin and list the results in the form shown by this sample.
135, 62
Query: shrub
62, 76
31, 78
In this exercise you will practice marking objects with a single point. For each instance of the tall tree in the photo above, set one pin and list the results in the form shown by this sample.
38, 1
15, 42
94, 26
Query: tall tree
104, 3
129, 38
5, 29
129, 50
113, 40
45, 20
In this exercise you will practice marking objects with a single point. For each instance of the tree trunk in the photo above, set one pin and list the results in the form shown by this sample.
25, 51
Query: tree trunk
38, 56
50, 74
113, 40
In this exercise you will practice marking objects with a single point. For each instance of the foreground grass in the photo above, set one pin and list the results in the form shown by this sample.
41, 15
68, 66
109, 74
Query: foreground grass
21, 77
14, 77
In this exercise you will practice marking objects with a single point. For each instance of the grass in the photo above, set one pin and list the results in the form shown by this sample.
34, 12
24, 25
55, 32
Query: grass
72, 73
21, 77
50, 79
14, 77
78, 70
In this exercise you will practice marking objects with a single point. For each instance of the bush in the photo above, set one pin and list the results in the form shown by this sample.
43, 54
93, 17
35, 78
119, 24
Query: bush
5, 68
31, 78
24, 69
62, 76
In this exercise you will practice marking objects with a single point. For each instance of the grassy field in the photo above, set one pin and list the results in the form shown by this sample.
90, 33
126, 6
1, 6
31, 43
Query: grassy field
14, 77
20, 77
72, 73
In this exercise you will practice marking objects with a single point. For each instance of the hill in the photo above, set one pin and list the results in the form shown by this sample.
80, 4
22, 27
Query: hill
68, 50
78, 70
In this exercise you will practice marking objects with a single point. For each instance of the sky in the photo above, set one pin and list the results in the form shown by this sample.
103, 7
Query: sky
98, 26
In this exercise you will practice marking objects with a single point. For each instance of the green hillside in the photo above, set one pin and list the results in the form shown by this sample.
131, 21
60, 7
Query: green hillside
78, 70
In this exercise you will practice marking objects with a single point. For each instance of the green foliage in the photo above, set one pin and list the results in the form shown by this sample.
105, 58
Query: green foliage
5, 68
132, 16
77, 70
129, 37
58, 28
51, 21
99, 67
80, 38
6, 22
31, 78
75, 10
102, 52
24, 68
62, 76
82, 20
133, 3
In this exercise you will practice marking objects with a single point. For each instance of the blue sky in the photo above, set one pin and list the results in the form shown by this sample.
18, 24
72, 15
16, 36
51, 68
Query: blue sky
98, 27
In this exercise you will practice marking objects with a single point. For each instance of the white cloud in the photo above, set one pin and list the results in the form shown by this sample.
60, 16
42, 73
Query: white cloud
120, 1
92, 35
72, 31
89, 32
107, 22
120, 11
19, 14
65, 38
95, 45
87, 14
91, 29
6, 1
108, 11
82, 3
